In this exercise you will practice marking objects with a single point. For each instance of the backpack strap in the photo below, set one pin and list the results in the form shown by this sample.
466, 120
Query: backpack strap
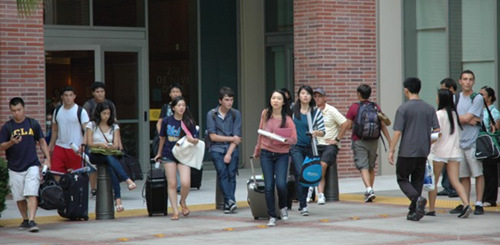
78, 113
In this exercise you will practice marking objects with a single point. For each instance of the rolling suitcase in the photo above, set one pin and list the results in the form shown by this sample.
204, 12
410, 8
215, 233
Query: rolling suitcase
256, 196
156, 192
75, 187
196, 176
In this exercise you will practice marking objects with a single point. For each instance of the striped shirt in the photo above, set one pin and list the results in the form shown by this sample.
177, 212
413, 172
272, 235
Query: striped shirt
332, 119
302, 126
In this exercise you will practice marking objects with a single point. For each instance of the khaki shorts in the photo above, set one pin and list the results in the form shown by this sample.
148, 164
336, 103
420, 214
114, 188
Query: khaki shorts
24, 184
365, 153
470, 166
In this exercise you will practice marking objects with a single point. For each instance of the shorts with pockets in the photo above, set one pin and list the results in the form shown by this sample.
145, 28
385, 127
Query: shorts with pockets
470, 166
64, 159
24, 184
365, 153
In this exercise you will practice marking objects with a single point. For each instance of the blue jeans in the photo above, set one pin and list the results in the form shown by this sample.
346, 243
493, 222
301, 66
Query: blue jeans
226, 173
274, 165
116, 172
298, 154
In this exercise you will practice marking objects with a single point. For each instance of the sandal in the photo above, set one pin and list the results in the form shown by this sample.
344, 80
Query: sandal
120, 208
185, 210
175, 217
132, 186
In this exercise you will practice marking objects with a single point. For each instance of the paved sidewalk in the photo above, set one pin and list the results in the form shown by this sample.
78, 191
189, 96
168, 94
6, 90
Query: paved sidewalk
349, 221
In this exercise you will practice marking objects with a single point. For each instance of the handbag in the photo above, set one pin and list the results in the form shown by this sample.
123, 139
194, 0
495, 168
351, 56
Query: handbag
187, 153
429, 177
50, 194
487, 143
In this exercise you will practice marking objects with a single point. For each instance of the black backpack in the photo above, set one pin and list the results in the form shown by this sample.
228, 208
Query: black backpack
367, 124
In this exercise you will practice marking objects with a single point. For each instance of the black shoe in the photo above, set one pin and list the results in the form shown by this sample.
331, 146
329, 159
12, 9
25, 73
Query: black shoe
230, 207
457, 209
443, 193
465, 213
24, 225
453, 194
411, 216
420, 210
478, 210
33, 227
430, 213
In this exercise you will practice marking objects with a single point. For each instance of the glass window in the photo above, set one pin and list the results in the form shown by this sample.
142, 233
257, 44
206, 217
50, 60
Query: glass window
129, 13
64, 12
279, 15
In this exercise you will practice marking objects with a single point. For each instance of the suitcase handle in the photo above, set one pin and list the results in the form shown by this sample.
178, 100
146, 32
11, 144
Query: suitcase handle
253, 169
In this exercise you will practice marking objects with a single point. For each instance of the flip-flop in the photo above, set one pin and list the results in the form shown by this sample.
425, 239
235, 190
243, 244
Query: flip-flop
120, 208
185, 210
175, 217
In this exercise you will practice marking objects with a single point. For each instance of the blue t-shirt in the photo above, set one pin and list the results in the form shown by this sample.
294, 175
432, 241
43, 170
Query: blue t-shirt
302, 127
23, 155
172, 131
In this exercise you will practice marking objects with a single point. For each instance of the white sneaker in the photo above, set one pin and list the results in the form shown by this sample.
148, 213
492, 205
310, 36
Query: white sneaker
309, 194
272, 222
321, 199
284, 214
304, 211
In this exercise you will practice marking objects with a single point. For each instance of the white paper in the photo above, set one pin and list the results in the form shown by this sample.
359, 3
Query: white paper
271, 135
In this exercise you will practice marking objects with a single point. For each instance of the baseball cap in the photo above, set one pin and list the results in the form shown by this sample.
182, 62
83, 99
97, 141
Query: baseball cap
320, 90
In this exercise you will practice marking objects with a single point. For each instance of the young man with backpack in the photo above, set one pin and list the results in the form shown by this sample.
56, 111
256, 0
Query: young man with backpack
224, 130
18, 137
413, 124
68, 123
366, 126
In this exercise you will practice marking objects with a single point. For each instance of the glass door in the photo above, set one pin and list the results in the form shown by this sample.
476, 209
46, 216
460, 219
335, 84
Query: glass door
121, 76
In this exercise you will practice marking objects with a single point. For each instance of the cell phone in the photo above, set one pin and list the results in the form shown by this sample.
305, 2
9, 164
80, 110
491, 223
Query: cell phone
17, 136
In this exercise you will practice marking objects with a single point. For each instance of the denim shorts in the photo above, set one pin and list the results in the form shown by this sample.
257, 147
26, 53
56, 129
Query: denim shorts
168, 160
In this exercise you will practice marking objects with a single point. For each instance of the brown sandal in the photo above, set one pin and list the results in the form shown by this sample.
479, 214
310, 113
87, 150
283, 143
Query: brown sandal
175, 217
185, 210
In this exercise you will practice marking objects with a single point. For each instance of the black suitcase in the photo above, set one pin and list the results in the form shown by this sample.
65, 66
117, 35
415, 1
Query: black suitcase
75, 187
156, 192
76, 193
196, 176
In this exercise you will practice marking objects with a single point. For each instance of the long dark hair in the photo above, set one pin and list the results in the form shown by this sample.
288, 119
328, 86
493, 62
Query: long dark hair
285, 110
445, 97
490, 93
101, 106
186, 117
312, 103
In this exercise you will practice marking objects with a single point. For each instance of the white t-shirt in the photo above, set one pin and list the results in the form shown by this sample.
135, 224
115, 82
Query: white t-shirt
69, 129
97, 135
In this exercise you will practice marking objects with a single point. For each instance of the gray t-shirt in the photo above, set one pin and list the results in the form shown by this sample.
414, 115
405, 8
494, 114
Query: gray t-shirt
465, 105
415, 119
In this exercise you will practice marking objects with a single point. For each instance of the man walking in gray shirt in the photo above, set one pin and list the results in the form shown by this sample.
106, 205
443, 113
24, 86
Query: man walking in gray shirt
413, 124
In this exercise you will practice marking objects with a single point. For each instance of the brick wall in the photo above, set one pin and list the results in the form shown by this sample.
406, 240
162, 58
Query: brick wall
22, 61
335, 48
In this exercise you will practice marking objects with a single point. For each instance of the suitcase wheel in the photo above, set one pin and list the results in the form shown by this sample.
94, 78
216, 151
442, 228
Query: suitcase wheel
165, 213
86, 218
255, 218
150, 214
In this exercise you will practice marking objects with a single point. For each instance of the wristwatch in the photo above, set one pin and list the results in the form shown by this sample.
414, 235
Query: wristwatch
337, 139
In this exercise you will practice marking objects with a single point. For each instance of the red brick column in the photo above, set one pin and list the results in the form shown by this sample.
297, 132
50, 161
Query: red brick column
335, 48
22, 61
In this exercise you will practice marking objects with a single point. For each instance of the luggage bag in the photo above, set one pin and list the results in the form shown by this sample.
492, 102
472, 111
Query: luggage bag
256, 196
196, 176
75, 187
156, 192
